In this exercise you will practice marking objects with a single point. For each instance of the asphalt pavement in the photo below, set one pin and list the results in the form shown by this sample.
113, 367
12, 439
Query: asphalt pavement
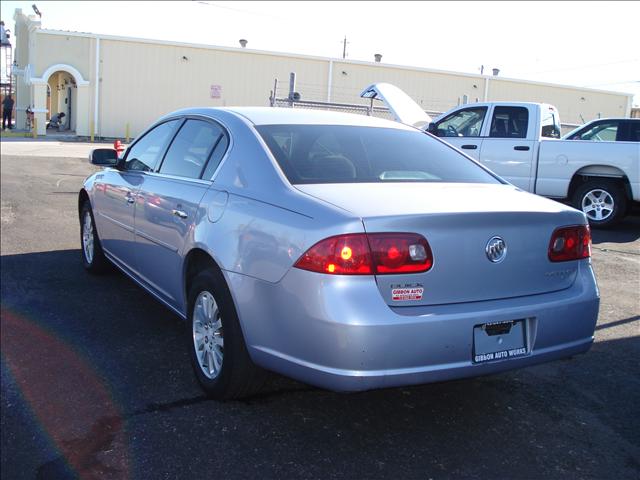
96, 381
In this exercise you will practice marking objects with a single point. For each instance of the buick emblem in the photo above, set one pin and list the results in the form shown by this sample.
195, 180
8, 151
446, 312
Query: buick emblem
496, 249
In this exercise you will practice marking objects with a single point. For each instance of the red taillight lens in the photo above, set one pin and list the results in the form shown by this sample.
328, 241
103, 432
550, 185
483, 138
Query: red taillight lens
400, 253
343, 255
570, 243
362, 254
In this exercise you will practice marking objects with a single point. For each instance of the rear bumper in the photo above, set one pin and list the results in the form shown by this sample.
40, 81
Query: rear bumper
337, 333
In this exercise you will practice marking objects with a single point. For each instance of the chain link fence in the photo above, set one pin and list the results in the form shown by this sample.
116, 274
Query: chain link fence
293, 101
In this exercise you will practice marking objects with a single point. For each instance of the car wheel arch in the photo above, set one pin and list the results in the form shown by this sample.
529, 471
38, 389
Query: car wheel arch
582, 176
196, 261
83, 197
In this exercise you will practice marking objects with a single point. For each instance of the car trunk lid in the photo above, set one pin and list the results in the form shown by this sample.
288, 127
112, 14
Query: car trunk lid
460, 222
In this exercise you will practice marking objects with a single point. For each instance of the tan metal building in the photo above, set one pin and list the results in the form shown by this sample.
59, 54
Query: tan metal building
140, 80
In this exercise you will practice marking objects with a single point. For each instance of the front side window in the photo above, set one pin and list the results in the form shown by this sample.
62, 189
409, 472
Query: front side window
600, 132
352, 154
190, 150
464, 123
509, 122
145, 154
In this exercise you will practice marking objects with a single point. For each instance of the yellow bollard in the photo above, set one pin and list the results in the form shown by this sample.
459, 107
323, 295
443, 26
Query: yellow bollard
127, 134
92, 127
35, 128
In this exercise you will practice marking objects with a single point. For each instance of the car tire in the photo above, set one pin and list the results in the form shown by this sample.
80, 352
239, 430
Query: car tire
603, 201
218, 352
93, 258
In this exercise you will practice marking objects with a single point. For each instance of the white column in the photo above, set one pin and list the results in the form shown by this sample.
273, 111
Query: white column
330, 81
96, 103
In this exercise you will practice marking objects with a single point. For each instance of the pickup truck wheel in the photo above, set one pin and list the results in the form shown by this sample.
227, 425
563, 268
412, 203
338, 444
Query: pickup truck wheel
216, 344
602, 201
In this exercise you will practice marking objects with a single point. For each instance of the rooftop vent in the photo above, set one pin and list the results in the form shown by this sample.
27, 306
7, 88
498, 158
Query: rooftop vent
496, 71
378, 57
243, 43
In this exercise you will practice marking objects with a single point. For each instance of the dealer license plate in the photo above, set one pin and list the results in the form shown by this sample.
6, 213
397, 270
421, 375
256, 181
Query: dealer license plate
499, 341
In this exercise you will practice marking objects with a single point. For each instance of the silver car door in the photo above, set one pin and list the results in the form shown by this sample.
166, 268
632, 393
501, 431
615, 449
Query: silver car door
113, 206
116, 192
168, 207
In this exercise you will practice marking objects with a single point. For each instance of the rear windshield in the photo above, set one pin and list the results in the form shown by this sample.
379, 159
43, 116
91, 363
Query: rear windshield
351, 154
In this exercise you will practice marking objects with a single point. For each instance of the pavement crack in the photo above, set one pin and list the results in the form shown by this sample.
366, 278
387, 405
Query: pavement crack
166, 407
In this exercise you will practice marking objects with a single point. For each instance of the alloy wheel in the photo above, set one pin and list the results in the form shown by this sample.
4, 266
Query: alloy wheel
208, 339
598, 205
87, 237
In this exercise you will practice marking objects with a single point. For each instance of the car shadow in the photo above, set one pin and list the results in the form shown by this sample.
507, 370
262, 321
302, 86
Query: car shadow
118, 371
627, 231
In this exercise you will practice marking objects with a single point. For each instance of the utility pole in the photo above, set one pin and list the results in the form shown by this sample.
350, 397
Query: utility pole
344, 48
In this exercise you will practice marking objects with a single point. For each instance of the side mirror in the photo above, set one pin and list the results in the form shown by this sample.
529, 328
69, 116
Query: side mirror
104, 156
433, 129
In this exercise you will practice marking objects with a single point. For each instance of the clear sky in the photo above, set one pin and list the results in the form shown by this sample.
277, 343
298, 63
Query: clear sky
588, 44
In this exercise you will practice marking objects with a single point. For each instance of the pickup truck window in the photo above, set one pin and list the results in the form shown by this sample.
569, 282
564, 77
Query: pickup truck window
463, 123
550, 127
509, 122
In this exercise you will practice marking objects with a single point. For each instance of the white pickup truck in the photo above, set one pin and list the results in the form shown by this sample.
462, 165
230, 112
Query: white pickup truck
519, 142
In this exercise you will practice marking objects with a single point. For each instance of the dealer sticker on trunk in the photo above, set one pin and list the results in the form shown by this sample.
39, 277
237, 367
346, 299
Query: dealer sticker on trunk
403, 294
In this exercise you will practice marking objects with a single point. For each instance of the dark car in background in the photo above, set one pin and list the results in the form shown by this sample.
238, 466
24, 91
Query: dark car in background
608, 130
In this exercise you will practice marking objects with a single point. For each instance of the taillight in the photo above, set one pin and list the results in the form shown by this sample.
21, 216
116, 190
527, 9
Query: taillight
400, 253
570, 243
344, 255
368, 254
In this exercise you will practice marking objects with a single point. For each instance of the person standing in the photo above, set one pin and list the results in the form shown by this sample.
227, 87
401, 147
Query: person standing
7, 109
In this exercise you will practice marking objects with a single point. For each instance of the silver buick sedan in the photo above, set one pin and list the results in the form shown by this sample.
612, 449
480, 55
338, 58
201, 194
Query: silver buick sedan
344, 251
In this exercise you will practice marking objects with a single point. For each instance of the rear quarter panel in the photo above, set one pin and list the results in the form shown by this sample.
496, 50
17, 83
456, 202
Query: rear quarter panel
264, 225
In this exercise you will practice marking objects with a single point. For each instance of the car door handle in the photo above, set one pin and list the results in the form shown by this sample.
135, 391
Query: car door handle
522, 148
130, 198
470, 147
179, 213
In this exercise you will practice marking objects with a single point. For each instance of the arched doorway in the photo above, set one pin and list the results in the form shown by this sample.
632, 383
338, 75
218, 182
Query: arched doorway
61, 88
63, 98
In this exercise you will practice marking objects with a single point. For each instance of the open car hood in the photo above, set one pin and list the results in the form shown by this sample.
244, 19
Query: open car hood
404, 108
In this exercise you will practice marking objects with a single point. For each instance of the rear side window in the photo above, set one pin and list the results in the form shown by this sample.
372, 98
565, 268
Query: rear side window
633, 134
190, 150
550, 126
216, 157
145, 154
509, 122
463, 123
352, 154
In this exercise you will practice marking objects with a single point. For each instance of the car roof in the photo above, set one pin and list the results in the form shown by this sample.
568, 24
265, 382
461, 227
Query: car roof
617, 119
298, 116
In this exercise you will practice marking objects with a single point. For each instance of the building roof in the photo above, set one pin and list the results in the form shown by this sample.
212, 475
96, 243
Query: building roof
313, 57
